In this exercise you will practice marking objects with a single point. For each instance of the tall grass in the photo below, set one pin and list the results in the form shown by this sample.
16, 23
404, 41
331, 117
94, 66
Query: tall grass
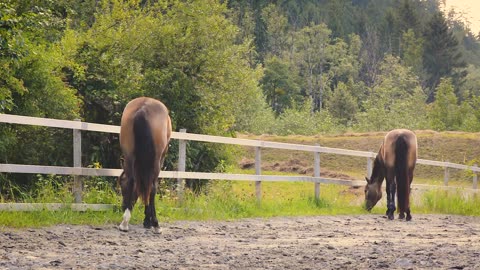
231, 200
453, 202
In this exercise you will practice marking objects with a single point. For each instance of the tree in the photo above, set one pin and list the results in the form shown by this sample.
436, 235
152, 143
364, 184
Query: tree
32, 82
311, 54
11, 51
279, 86
441, 57
185, 53
370, 56
412, 50
343, 60
276, 29
396, 100
342, 105
445, 113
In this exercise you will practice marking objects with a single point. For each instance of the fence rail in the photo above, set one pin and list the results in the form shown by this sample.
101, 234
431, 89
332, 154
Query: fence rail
78, 170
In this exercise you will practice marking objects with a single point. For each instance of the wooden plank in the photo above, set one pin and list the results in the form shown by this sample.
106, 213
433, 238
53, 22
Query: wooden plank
81, 207
77, 163
214, 139
475, 179
316, 173
258, 172
432, 187
182, 161
39, 169
48, 122
15, 168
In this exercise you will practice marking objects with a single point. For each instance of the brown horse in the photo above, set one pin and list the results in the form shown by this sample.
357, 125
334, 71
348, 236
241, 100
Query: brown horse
395, 161
144, 136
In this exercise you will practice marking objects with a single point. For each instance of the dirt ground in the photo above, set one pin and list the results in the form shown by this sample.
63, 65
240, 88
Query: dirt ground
320, 242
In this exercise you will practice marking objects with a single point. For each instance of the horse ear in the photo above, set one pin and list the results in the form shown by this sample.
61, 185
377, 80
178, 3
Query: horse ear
368, 180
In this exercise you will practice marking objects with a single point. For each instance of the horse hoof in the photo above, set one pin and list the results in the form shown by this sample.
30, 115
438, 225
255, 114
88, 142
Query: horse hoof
401, 216
123, 228
391, 217
157, 230
409, 218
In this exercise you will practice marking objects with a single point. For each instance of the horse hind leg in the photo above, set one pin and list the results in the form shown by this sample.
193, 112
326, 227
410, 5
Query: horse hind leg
150, 212
127, 207
391, 206
129, 199
126, 218
407, 199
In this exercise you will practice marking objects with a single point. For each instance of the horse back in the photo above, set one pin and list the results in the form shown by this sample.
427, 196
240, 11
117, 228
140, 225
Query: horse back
390, 144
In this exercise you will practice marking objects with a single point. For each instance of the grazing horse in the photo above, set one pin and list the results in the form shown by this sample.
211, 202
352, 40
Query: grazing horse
144, 136
395, 161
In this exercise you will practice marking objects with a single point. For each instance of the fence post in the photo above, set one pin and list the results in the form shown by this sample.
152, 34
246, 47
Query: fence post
445, 177
77, 162
258, 171
369, 166
182, 156
316, 173
475, 177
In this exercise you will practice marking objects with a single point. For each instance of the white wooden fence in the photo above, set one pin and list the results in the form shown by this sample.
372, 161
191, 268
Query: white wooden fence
77, 169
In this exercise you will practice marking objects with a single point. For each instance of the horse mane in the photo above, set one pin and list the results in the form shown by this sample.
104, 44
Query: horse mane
401, 167
378, 174
144, 150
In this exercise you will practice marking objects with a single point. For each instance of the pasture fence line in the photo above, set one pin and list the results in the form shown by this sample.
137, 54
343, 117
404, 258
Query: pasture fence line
77, 170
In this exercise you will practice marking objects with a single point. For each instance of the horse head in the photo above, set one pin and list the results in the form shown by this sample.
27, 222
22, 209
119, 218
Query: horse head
373, 193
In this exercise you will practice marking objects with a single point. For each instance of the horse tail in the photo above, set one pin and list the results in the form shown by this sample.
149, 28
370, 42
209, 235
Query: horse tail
144, 151
401, 174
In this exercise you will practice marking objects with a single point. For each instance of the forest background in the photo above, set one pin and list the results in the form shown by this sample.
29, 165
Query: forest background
223, 67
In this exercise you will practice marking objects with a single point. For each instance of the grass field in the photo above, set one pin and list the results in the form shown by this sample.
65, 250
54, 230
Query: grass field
228, 200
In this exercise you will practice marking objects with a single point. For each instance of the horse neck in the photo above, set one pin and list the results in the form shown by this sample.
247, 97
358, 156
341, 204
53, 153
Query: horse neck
378, 174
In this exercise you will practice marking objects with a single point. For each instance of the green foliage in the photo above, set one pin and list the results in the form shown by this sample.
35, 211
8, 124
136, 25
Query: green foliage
256, 117
52, 189
304, 121
100, 190
58, 189
471, 87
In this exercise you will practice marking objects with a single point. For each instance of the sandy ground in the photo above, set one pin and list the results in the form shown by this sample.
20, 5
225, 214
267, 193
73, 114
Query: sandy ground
320, 242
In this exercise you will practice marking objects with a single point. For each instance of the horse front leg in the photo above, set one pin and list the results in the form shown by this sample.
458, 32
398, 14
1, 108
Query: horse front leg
391, 190
387, 189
